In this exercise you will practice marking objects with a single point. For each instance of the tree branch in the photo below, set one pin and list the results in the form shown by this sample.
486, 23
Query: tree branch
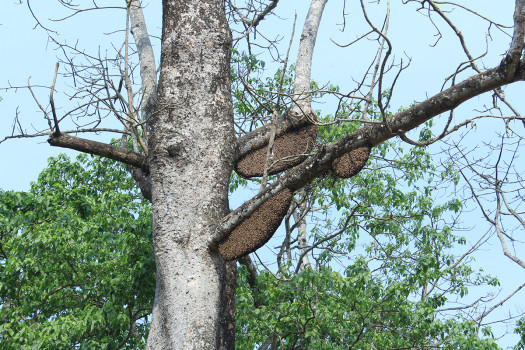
372, 134
263, 14
52, 101
99, 149
148, 70
516, 46
303, 68
252, 271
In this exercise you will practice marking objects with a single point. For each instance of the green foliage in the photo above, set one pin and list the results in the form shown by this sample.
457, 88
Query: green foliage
77, 267
236, 181
520, 329
324, 310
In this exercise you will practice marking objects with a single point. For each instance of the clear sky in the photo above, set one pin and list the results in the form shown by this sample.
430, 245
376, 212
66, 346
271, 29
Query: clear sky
28, 54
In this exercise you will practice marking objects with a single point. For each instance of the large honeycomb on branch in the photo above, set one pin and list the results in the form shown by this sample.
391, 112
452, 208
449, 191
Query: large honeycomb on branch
289, 149
351, 163
258, 228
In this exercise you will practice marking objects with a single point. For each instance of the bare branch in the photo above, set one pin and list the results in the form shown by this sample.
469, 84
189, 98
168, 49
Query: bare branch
303, 68
376, 68
448, 131
500, 234
52, 101
148, 70
484, 314
263, 14
99, 149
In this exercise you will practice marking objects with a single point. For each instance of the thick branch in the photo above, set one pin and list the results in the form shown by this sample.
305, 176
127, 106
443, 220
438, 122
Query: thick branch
501, 234
99, 149
263, 14
516, 46
148, 70
252, 271
303, 67
372, 134
143, 180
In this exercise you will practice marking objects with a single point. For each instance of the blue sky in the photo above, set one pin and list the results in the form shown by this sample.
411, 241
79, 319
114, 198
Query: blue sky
32, 56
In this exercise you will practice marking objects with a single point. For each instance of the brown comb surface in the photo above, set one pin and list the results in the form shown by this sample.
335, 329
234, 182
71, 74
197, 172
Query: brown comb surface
289, 150
351, 163
258, 228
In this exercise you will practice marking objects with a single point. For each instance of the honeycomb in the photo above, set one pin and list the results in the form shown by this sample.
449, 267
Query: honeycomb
289, 149
351, 163
258, 228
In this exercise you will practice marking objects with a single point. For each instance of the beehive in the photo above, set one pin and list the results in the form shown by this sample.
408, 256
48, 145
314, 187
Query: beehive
258, 228
351, 163
289, 149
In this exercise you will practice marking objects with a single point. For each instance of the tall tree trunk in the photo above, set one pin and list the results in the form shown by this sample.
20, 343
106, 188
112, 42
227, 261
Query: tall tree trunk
191, 158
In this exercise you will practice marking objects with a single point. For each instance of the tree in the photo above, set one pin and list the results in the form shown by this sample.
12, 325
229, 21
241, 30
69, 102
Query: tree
186, 140
77, 261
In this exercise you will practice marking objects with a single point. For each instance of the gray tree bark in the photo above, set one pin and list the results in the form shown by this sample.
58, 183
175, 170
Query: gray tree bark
192, 145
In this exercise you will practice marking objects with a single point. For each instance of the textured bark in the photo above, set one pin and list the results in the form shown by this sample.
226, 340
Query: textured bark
303, 69
191, 159
148, 69
516, 47
299, 216
143, 180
